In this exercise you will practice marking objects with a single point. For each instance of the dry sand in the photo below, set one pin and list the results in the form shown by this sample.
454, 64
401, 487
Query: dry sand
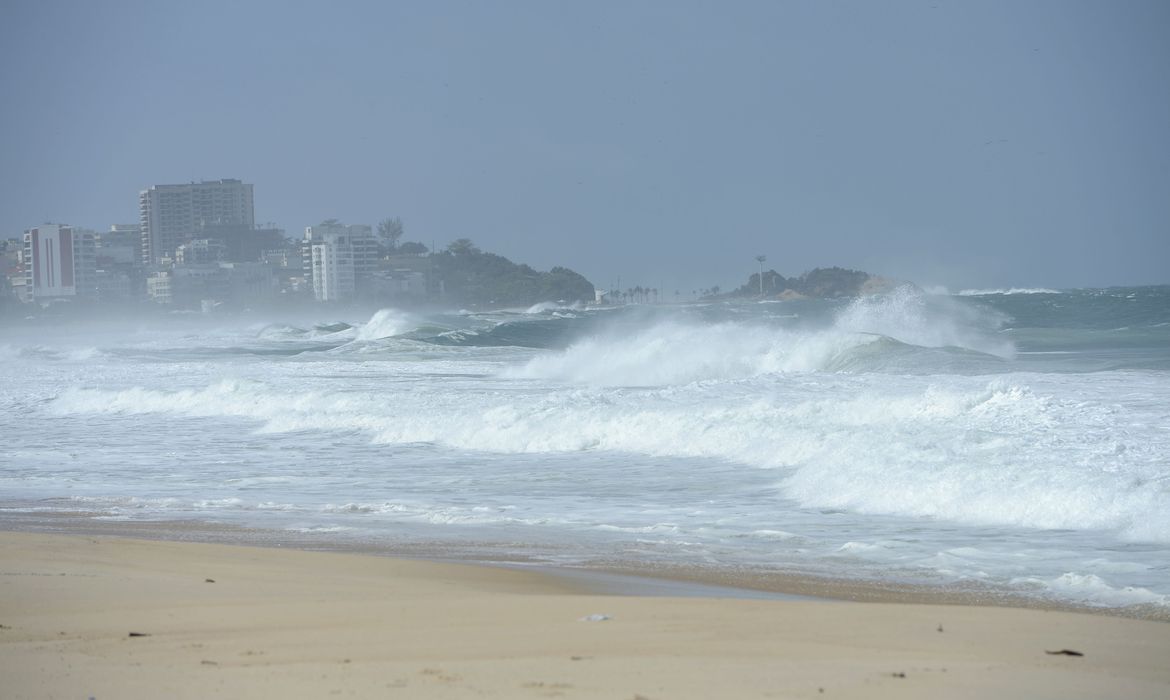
274, 623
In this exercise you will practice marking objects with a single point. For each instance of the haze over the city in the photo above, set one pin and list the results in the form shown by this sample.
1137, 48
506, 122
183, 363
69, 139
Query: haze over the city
661, 143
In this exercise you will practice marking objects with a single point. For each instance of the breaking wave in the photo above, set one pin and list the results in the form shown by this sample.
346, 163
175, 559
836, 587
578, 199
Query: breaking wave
385, 323
872, 437
1007, 292
678, 352
996, 454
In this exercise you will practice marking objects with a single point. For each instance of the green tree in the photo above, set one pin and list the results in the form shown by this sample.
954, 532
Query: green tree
412, 248
462, 246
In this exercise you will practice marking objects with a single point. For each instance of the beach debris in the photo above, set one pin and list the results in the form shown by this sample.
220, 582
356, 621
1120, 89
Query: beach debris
134, 634
542, 684
595, 617
209, 580
899, 674
940, 627
1063, 652
5, 627
209, 662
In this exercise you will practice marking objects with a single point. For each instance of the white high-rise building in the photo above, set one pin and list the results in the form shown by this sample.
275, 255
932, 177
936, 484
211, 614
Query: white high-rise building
60, 262
339, 259
171, 215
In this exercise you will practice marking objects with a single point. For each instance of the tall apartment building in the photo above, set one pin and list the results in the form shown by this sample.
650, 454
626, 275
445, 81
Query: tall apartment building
339, 259
59, 263
171, 215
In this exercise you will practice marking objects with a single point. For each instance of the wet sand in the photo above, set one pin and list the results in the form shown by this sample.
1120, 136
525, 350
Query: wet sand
109, 617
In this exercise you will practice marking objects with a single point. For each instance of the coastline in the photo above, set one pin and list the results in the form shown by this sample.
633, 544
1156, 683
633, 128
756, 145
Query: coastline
246, 621
616, 577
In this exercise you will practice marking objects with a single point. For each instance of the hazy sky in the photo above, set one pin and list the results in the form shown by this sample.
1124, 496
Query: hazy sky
665, 143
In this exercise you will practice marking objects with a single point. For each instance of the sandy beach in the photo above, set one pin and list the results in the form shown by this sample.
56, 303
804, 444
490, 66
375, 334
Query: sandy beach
104, 617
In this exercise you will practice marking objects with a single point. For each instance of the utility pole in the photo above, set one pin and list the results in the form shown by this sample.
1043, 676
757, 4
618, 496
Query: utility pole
760, 259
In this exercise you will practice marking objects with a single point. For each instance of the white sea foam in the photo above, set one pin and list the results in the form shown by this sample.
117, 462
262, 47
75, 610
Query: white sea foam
738, 439
543, 307
1007, 291
674, 352
81, 354
997, 454
910, 317
384, 323
1093, 590
279, 331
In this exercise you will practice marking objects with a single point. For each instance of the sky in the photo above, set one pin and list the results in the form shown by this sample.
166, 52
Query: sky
661, 144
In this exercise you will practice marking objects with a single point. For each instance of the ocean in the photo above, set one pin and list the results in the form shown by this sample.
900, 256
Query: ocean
1002, 442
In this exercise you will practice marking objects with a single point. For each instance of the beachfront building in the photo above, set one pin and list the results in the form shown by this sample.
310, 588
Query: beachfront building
171, 215
201, 251
340, 260
120, 276
59, 263
212, 284
113, 286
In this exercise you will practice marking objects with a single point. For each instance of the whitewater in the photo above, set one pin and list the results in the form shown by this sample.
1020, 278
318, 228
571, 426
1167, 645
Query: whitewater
1012, 441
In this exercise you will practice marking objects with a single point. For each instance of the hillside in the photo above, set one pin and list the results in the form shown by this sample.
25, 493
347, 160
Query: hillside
471, 277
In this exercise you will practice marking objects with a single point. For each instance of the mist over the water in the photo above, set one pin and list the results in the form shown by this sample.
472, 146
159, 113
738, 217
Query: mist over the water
739, 342
1006, 439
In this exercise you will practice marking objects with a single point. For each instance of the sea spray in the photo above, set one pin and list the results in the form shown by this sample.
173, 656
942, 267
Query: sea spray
914, 318
384, 324
890, 438
672, 353
669, 352
999, 453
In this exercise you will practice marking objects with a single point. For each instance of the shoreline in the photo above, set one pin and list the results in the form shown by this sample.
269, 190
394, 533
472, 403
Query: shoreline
101, 617
615, 577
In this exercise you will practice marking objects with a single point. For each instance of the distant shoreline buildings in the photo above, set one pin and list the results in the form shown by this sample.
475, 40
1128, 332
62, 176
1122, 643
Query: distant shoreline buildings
196, 246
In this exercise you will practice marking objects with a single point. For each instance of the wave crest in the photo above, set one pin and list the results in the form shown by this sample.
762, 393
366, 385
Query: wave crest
999, 454
1007, 292
385, 323
675, 352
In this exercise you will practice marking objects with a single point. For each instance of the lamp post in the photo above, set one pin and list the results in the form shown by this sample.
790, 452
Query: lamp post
760, 259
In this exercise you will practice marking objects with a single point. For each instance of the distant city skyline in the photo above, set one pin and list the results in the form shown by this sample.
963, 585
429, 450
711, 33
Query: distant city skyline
987, 144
